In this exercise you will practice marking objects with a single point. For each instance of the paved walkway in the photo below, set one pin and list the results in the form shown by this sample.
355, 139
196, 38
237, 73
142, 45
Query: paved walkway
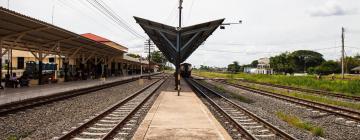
9, 95
182, 117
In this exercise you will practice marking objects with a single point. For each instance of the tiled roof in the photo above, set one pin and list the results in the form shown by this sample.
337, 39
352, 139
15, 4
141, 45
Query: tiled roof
95, 37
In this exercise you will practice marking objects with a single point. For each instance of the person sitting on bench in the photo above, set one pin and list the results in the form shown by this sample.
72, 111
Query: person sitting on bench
14, 81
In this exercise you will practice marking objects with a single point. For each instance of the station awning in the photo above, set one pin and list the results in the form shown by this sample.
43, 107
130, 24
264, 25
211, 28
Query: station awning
165, 37
21, 32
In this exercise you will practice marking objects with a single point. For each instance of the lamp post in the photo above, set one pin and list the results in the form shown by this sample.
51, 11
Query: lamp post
222, 26
178, 44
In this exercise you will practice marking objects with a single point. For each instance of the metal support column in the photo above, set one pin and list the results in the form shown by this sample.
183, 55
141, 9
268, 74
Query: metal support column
11, 61
178, 61
66, 69
1, 44
40, 68
8, 63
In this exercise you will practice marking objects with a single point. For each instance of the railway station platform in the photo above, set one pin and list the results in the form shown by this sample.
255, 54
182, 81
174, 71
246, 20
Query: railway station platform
180, 117
9, 95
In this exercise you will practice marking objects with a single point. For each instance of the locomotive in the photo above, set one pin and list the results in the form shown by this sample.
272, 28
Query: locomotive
185, 70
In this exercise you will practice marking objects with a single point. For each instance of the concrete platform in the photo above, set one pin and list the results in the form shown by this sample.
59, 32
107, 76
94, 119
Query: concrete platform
182, 117
9, 95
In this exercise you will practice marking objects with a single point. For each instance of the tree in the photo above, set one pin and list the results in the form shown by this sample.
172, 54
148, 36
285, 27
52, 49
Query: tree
133, 55
357, 56
234, 67
326, 68
159, 58
351, 62
282, 63
254, 63
304, 59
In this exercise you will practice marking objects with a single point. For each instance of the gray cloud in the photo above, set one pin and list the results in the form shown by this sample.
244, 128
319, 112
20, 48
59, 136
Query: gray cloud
331, 8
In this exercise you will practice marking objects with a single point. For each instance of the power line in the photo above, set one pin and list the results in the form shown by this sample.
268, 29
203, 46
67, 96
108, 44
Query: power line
79, 11
353, 47
189, 14
116, 15
170, 16
109, 13
105, 12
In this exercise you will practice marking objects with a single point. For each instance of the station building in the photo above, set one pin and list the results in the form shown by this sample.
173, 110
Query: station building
121, 65
28, 44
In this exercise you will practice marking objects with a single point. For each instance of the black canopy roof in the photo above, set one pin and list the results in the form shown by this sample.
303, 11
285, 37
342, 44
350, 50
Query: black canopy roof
165, 37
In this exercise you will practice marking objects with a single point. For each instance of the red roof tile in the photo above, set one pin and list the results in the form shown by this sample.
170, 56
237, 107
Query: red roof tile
95, 37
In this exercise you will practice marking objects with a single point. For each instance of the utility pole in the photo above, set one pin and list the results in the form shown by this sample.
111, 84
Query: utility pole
141, 68
343, 52
149, 43
148, 46
177, 78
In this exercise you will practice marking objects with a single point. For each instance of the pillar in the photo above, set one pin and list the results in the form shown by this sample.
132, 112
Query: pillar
66, 64
11, 61
1, 44
40, 68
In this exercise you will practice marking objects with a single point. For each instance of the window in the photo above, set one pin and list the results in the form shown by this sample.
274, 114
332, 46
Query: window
20, 62
51, 60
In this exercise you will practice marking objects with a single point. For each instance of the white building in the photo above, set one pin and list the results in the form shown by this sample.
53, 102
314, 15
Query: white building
263, 66
250, 70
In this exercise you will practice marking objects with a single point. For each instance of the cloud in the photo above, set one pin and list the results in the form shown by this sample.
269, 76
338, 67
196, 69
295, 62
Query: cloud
331, 8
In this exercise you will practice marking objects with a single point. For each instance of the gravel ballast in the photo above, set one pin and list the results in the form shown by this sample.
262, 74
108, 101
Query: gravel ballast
50, 120
266, 107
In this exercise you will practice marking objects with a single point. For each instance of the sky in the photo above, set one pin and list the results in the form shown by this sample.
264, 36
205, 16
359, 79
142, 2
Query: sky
268, 29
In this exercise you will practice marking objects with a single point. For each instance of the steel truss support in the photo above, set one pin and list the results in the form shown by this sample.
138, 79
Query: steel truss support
24, 32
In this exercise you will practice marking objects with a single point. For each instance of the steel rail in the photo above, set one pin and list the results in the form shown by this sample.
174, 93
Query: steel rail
274, 129
42, 100
352, 114
110, 109
313, 91
117, 127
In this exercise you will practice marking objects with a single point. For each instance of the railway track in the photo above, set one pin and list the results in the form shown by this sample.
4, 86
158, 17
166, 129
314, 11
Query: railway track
247, 125
33, 102
42, 100
115, 121
335, 110
312, 91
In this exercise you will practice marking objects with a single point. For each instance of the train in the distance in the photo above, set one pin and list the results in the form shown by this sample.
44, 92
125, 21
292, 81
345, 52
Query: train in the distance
185, 70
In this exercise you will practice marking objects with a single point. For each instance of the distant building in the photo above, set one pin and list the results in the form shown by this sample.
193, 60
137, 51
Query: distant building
356, 70
263, 66
250, 70
218, 69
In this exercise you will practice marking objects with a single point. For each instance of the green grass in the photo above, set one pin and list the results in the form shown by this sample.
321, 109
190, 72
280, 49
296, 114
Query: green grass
298, 123
233, 95
18, 136
13, 137
351, 87
309, 97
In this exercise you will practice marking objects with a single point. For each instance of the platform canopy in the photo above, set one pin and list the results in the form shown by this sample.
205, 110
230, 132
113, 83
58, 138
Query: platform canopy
21, 32
165, 37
